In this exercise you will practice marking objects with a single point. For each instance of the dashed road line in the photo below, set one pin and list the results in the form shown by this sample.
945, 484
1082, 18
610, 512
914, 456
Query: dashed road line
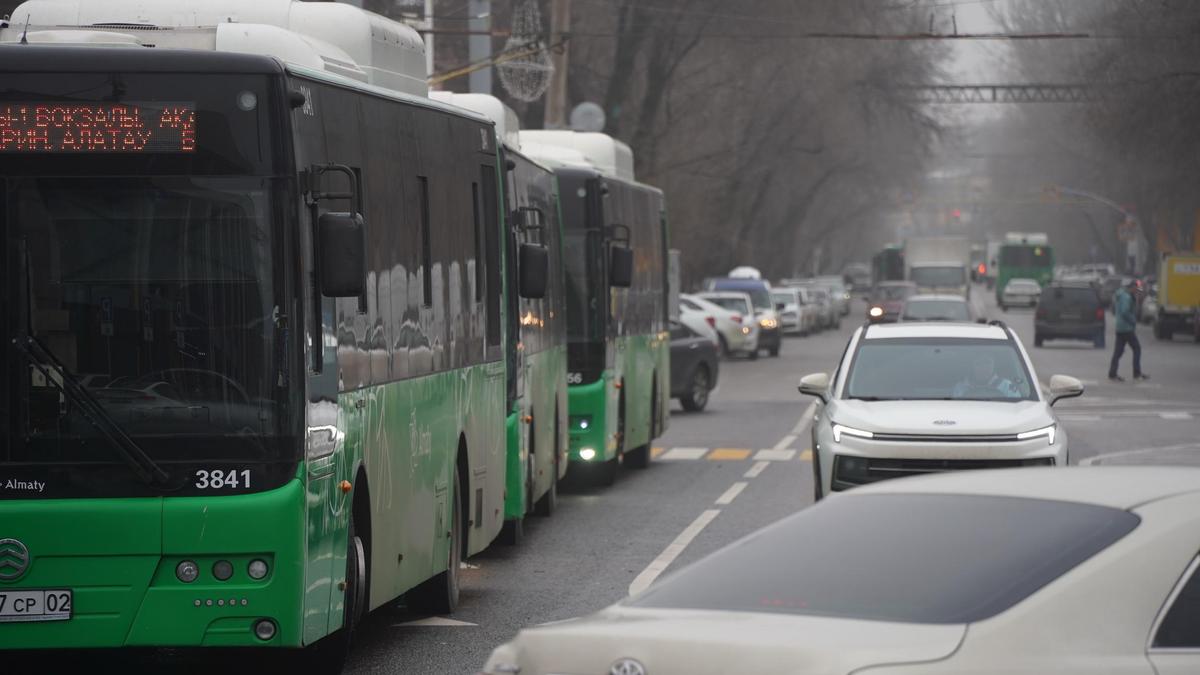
805, 419
785, 442
774, 455
655, 452
1175, 415
683, 453
758, 468
727, 454
732, 493
1139, 452
806, 456
671, 552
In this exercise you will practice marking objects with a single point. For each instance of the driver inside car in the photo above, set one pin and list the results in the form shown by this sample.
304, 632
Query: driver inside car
983, 381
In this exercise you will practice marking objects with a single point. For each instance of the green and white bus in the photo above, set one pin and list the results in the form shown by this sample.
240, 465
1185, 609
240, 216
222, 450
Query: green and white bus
615, 253
537, 321
1024, 256
256, 317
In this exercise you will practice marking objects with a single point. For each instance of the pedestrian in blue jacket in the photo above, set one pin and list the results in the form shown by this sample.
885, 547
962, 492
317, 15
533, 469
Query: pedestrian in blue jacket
1125, 309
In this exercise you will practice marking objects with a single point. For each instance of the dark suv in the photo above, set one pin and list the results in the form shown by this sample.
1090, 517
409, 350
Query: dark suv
1070, 310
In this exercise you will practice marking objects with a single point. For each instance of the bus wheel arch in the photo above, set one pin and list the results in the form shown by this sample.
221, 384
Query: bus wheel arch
360, 515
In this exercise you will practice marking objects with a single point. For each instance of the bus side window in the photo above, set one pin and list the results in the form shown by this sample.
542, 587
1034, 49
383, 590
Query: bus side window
493, 290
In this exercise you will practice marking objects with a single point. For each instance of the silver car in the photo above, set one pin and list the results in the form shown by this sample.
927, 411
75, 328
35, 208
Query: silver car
916, 398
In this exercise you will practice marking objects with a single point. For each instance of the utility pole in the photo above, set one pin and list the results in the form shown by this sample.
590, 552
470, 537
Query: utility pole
430, 63
556, 95
479, 44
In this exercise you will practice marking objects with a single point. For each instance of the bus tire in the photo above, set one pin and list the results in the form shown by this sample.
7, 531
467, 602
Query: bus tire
549, 501
439, 594
328, 655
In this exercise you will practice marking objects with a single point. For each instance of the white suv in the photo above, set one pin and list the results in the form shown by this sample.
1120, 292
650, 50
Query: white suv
916, 398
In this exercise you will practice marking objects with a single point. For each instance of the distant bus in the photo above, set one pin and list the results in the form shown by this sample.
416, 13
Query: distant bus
888, 265
1021, 260
615, 249
255, 365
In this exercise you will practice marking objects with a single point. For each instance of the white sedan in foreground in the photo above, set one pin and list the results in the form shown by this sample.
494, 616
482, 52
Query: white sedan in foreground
1079, 571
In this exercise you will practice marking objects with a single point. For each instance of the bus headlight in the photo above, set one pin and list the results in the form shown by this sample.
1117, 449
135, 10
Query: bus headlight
187, 571
587, 454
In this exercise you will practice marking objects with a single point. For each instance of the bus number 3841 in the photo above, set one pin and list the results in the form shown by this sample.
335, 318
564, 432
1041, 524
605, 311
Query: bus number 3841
217, 479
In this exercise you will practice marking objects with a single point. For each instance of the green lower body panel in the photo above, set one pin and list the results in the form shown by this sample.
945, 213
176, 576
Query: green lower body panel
590, 403
515, 471
118, 557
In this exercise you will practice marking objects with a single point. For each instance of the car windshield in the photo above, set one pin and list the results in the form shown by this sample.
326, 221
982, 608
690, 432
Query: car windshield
938, 368
936, 310
758, 292
912, 558
938, 276
730, 303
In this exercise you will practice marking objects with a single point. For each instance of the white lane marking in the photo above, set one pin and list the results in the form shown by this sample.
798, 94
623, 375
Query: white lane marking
785, 442
805, 419
683, 453
434, 621
1175, 415
732, 493
758, 468
774, 455
1136, 453
671, 552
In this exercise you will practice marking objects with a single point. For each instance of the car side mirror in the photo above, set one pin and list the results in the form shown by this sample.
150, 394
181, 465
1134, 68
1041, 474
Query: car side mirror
342, 254
533, 267
816, 384
620, 266
1064, 386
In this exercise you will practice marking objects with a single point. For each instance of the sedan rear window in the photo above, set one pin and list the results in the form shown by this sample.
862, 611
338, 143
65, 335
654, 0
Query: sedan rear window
1070, 297
732, 304
912, 558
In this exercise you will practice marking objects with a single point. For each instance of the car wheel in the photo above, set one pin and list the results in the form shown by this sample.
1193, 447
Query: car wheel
724, 345
753, 356
818, 493
774, 351
1003, 307
697, 397
1038, 338
1098, 342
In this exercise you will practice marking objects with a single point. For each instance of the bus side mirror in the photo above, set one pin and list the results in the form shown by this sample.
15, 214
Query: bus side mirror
533, 269
342, 255
620, 266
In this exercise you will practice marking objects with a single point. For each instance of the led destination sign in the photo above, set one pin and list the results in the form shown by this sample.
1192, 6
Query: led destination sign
98, 127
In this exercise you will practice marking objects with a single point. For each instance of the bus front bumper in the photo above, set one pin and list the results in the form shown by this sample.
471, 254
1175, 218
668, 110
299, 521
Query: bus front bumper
119, 559
591, 441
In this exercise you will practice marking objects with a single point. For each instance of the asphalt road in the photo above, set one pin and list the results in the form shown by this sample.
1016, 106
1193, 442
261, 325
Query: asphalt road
736, 467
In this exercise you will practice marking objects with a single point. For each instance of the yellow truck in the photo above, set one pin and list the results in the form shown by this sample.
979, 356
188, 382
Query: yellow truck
1178, 296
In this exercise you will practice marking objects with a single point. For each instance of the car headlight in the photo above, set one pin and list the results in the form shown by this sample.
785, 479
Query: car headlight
768, 323
876, 312
839, 429
1049, 432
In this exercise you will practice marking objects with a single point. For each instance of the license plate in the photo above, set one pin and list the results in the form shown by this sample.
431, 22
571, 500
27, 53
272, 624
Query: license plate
1071, 317
30, 604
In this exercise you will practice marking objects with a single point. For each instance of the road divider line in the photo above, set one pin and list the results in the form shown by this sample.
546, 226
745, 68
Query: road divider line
785, 442
758, 468
1175, 415
774, 455
805, 419
732, 493
671, 552
683, 453
727, 454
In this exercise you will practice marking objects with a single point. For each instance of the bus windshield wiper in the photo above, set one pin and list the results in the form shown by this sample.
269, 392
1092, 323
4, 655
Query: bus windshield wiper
54, 372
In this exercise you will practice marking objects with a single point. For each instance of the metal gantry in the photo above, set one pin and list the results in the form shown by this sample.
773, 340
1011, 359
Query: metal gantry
999, 93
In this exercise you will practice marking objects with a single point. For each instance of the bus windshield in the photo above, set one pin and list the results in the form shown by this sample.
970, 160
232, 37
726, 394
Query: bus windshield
1025, 256
158, 295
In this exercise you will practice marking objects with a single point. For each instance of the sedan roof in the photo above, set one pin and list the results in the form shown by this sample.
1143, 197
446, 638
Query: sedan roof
1123, 487
926, 330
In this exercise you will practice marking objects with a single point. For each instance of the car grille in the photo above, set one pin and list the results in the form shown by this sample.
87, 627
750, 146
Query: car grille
851, 471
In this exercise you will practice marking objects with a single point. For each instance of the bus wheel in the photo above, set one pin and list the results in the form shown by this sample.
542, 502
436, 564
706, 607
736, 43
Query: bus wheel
328, 656
546, 505
439, 595
639, 457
